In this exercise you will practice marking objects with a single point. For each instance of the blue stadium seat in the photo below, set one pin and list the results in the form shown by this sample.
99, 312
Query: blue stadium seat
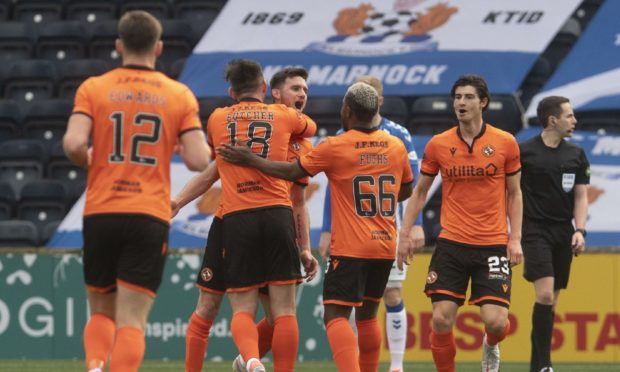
325, 111
42, 201
46, 120
505, 112
8, 200
10, 120
61, 41
30, 80
90, 11
37, 11
16, 233
431, 115
395, 109
17, 40
160, 9
21, 161
72, 73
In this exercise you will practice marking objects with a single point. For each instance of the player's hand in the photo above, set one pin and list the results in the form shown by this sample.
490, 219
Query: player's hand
417, 236
175, 207
310, 264
405, 250
239, 153
578, 243
514, 252
324, 243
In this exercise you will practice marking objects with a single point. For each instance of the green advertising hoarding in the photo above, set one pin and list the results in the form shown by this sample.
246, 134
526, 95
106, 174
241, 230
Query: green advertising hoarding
43, 310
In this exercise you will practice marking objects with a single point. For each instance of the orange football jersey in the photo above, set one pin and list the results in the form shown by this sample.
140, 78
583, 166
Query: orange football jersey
138, 115
296, 149
268, 129
473, 198
365, 172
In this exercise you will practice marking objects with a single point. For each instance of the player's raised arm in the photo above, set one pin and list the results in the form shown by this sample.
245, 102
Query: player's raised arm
197, 186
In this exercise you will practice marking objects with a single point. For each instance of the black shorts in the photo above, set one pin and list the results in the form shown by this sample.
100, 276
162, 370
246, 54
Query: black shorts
125, 248
547, 251
260, 249
349, 281
211, 277
453, 264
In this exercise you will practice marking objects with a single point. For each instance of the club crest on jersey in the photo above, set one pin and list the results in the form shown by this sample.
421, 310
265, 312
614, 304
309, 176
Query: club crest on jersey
431, 277
296, 146
206, 274
568, 181
488, 151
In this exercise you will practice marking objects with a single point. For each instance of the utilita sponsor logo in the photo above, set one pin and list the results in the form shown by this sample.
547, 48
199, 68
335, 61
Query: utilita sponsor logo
471, 171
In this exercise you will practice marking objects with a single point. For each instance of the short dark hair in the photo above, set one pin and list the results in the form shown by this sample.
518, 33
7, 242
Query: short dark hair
139, 31
244, 76
278, 79
475, 81
363, 100
550, 106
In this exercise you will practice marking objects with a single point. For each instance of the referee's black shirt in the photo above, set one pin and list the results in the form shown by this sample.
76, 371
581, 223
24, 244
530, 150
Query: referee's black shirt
548, 179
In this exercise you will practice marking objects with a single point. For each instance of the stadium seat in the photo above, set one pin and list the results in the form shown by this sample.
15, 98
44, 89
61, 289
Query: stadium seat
431, 214
46, 120
90, 11
198, 11
586, 10
72, 73
535, 79
505, 112
30, 80
21, 161
8, 200
563, 42
176, 68
599, 121
395, 109
325, 111
61, 41
16, 233
102, 39
37, 11
431, 115
48, 231
10, 120
60, 168
17, 41
176, 35
160, 9
42, 201
5, 9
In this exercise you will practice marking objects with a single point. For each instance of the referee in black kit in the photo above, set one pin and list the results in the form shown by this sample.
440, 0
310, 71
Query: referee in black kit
554, 180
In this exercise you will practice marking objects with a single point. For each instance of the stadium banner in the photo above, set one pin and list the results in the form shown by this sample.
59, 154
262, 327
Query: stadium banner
414, 46
592, 85
603, 152
43, 311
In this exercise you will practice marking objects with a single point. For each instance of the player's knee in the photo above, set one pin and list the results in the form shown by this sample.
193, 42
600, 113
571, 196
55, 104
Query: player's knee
442, 322
392, 296
545, 297
496, 326
208, 306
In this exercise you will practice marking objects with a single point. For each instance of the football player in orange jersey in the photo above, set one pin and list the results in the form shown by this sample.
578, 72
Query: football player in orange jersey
133, 116
368, 172
480, 171
288, 87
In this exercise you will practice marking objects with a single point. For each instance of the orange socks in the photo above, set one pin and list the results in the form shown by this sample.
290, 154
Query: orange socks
128, 350
343, 343
444, 351
369, 341
98, 340
493, 339
285, 343
196, 342
245, 335
265, 335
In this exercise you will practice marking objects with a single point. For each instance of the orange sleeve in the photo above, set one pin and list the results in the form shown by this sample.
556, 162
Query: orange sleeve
318, 159
513, 156
190, 119
430, 165
407, 172
82, 102
305, 127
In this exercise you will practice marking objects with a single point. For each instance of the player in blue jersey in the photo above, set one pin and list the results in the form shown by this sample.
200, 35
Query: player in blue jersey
396, 317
